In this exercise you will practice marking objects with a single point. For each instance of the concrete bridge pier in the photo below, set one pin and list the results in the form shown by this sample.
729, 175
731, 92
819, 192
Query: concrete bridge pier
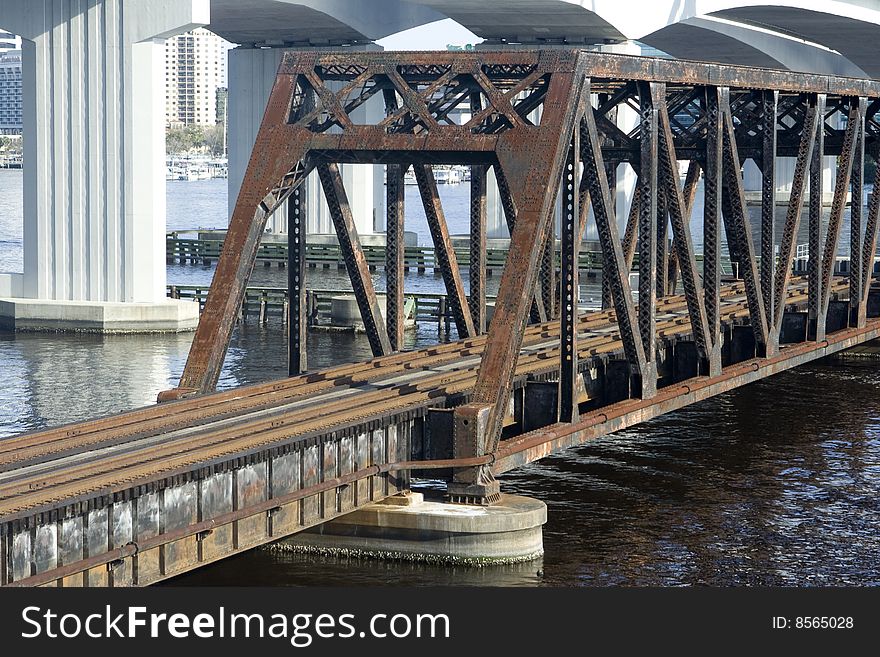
407, 527
94, 189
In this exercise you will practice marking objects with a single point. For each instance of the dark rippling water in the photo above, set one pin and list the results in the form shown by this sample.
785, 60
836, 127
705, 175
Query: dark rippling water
772, 484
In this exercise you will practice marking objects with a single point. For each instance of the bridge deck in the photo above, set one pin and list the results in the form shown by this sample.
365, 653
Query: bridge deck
141, 496
47, 467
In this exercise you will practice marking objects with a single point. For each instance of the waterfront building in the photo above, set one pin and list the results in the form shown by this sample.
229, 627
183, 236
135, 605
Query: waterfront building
10, 92
9, 41
195, 70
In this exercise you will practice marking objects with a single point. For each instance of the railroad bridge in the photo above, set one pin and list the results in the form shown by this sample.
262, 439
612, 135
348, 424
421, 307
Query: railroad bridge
138, 497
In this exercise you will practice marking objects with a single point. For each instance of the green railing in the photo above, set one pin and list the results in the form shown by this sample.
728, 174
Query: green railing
261, 303
203, 250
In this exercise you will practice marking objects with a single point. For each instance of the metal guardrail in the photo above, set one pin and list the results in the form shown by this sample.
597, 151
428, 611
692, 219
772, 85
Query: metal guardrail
200, 250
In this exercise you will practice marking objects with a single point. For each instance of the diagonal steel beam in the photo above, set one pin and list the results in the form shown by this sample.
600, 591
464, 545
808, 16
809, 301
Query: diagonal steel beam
841, 187
355, 261
712, 201
691, 183
508, 204
651, 106
609, 238
631, 232
444, 253
533, 175
276, 168
769, 110
869, 248
678, 214
739, 230
816, 329
856, 223
793, 214
662, 267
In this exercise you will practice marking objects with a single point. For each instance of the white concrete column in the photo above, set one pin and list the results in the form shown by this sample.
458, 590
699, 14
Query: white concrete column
94, 136
252, 73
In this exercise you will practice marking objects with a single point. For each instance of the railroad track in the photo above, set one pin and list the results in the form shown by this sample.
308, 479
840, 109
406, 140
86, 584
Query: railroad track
51, 466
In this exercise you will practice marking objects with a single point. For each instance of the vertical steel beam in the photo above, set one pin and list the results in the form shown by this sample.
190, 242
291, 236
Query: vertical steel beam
355, 261
816, 327
812, 116
395, 245
649, 224
854, 124
678, 212
568, 303
711, 225
855, 222
769, 105
443, 251
740, 232
297, 320
477, 274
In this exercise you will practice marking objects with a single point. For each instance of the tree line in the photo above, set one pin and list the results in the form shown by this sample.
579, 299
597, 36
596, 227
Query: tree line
189, 139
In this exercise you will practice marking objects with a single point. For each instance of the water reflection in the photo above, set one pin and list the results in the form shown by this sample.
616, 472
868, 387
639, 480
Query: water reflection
50, 380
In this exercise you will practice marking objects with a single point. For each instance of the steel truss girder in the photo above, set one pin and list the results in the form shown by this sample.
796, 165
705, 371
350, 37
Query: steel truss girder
713, 116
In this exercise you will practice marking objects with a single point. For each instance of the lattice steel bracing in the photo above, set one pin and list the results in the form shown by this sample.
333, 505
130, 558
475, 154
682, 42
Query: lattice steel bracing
297, 323
395, 248
710, 117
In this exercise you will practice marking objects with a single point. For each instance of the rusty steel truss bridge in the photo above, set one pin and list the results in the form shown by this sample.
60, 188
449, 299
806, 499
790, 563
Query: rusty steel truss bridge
136, 498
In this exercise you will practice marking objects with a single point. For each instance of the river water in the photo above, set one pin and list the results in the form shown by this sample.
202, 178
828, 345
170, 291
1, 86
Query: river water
772, 484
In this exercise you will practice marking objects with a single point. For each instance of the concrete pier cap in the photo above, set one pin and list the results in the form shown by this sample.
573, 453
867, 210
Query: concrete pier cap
407, 527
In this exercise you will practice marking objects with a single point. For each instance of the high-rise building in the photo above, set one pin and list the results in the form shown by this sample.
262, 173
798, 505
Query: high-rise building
9, 42
196, 68
10, 92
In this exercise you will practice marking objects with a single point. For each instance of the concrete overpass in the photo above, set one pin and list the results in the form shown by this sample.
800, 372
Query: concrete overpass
94, 190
